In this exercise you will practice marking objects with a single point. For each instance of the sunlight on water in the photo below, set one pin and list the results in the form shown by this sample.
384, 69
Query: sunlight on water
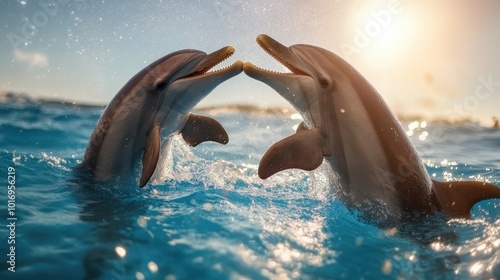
423, 136
304, 245
54, 161
487, 249
417, 126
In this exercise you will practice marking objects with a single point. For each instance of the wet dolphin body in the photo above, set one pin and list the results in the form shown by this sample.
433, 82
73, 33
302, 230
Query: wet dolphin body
347, 123
156, 104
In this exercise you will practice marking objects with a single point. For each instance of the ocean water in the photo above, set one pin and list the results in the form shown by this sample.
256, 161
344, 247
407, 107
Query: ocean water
206, 214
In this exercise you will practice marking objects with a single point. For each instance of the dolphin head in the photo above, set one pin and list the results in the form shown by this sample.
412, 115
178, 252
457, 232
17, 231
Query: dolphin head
182, 79
183, 64
176, 81
314, 72
197, 81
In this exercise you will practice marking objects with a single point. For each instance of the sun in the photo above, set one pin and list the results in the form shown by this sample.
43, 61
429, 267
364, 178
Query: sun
385, 33
391, 39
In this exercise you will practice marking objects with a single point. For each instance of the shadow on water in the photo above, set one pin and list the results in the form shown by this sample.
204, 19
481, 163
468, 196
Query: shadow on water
113, 210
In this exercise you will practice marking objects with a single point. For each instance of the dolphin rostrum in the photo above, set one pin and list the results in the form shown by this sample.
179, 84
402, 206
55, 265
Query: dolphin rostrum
347, 123
156, 104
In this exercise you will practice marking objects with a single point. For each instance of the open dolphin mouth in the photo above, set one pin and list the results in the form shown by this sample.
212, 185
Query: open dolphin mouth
204, 67
189, 89
289, 85
279, 52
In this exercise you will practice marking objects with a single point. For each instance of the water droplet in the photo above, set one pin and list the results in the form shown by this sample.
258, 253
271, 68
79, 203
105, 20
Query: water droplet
120, 251
152, 267
358, 241
207, 207
139, 276
387, 267
142, 221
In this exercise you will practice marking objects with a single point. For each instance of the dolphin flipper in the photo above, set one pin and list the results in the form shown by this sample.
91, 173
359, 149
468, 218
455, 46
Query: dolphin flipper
199, 129
302, 150
457, 198
151, 155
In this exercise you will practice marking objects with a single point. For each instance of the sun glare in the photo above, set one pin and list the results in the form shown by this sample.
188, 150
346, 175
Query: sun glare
385, 32
391, 39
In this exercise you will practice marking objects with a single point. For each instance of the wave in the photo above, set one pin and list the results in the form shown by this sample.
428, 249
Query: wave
10, 97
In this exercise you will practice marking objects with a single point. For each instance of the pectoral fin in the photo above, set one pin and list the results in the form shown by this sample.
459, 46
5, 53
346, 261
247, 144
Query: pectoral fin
302, 150
151, 155
199, 129
457, 198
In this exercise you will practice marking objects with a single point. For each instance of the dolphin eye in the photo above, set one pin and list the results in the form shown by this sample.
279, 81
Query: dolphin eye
323, 82
161, 86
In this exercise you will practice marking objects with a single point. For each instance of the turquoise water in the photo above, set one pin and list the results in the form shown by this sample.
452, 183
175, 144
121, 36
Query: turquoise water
206, 214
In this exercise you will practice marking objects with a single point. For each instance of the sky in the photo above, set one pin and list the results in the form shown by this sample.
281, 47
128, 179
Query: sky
425, 57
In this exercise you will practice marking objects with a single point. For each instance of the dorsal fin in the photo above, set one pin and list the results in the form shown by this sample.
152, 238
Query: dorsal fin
302, 150
151, 155
457, 198
199, 129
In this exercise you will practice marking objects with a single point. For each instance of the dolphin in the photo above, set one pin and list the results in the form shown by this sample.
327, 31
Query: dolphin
155, 104
348, 124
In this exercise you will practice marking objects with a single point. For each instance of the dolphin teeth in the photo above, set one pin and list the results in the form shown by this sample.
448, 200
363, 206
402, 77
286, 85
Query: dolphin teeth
278, 58
221, 69
212, 63
271, 71
200, 73
274, 55
217, 62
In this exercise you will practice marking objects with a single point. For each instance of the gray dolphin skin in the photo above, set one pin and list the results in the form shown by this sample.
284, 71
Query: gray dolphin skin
154, 105
347, 123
